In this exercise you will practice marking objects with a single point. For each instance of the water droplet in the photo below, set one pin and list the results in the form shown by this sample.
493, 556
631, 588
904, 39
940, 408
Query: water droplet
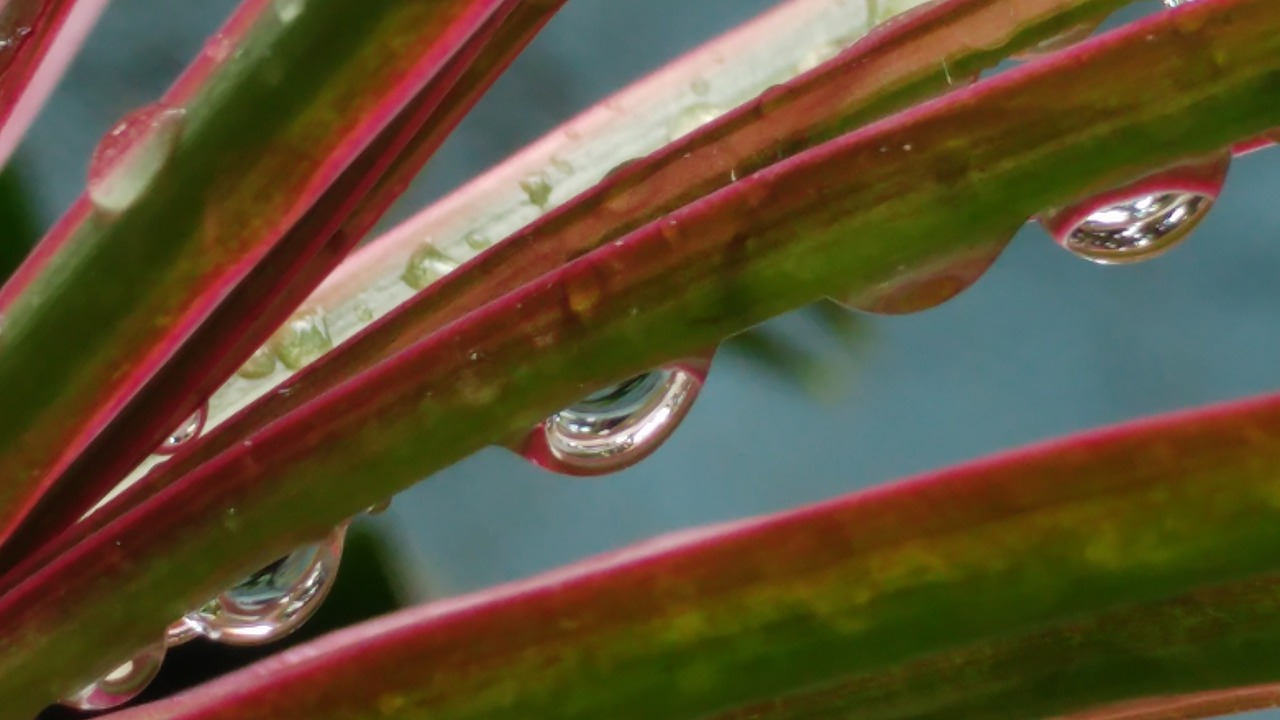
122, 684
700, 86
1142, 220
274, 601
380, 508
289, 10
562, 166
538, 189
692, 118
477, 240
917, 288
17, 19
302, 340
426, 266
186, 432
219, 47
259, 365
618, 426
1061, 41
131, 155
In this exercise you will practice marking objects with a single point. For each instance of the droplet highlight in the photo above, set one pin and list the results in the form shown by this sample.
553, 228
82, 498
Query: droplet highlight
620, 425
121, 684
186, 432
427, 265
1143, 220
131, 155
272, 602
302, 340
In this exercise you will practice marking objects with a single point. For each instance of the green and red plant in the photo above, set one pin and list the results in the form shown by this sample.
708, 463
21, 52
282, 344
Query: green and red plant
209, 281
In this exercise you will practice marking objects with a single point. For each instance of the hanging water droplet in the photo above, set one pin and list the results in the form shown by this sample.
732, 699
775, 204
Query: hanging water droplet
538, 189
289, 10
691, 119
274, 601
380, 508
131, 155
618, 426
186, 432
302, 340
1142, 220
259, 365
914, 289
122, 684
427, 265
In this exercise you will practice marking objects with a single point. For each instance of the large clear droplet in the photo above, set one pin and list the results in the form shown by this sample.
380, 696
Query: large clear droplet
131, 155
186, 432
915, 288
272, 602
618, 426
427, 265
122, 684
302, 340
1142, 220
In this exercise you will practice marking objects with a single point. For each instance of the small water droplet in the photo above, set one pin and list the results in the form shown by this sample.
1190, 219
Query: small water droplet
477, 240
17, 21
380, 508
1061, 41
122, 684
186, 432
131, 155
562, 166
618, 426
289, 10
219, 47
274, 601
692, 118
364, 313
302, 340
259, 365
538, 189
700, 86
1142, 220
427, 265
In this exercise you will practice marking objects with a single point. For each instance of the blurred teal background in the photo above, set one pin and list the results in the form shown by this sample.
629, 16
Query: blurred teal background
1045, 344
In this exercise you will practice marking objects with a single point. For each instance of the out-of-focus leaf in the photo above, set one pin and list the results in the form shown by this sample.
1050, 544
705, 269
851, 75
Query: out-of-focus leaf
18, 225
842, 214
38, 39
1135, 561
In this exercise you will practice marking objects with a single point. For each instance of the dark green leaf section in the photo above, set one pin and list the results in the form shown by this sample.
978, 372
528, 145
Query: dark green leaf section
828, 595
18, 224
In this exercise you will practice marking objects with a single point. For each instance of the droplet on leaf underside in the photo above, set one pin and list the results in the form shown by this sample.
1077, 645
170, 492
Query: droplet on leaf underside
121, 684
1142, 220
537, 188
915, 289
302, 340
270, 603
427, 265
477, 241
692, 118
187, 431
131, 155
259, 365
618, 426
